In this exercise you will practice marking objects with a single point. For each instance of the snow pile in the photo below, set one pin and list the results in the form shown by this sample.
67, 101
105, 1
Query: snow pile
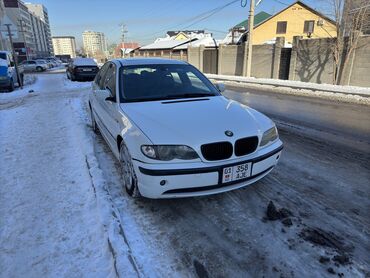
358, 95
124, 261
49, 218
29, 83
75, 85
295, 84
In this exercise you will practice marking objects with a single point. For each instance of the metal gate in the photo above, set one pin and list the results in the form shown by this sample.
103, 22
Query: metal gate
285, 63
210, 57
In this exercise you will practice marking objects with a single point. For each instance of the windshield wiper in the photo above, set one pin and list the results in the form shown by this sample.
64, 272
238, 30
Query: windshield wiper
189, 95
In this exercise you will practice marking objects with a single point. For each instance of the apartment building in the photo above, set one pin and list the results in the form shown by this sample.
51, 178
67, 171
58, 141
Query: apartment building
29, 28
40, 11
64, 45
17, 14
95, 44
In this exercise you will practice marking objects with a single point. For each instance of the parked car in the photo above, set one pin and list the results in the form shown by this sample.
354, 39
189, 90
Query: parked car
8, 74
44, 61
82, 69
175, 134
35, 65
53, 61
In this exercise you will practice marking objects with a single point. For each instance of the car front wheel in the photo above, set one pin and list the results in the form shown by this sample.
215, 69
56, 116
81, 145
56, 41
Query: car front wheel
93, 122
11, 86
39, 69
129, 176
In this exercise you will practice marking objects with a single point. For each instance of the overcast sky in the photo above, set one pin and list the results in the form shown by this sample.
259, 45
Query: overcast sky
146, 20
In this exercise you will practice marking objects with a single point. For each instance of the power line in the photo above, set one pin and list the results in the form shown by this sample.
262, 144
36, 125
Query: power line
280, 2
213, 13
198, 18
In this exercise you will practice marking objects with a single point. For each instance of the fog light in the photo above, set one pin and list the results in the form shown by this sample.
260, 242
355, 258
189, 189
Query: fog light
163, 182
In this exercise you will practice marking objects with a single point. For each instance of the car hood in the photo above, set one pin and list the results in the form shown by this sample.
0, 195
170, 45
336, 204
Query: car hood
194, 122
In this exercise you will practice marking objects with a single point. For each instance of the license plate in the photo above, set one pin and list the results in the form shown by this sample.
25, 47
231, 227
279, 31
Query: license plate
237, 172
87, 69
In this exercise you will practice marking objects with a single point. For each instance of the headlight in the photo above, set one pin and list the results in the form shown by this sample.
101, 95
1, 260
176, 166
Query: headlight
168, 152
269, 136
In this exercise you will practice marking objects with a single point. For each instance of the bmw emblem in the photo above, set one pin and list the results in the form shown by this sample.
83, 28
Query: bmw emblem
229, 133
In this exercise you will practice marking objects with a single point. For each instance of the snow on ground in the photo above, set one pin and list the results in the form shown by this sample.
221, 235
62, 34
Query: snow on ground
63, 211
29, 83
350, 94
55, 222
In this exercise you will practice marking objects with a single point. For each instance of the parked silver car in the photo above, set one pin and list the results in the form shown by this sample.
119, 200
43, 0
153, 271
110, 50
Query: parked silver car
35, 65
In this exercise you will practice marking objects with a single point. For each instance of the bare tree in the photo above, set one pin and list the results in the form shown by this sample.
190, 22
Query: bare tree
352, 17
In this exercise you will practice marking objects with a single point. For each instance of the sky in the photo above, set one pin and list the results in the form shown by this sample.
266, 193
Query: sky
146, 20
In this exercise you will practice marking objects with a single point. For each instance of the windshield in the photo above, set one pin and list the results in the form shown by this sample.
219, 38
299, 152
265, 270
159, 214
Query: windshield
155, 82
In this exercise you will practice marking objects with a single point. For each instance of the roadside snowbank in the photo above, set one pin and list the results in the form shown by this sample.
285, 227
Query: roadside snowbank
349, 94
124, 262
29, 81
57, 218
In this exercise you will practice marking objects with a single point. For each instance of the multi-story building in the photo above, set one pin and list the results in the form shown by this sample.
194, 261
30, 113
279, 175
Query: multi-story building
40, 37
95, 44
64, 45
3, 44
29, 27
41, 12
18, 16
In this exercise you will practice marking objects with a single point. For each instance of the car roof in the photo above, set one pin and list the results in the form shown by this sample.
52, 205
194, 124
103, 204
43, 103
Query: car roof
148, 61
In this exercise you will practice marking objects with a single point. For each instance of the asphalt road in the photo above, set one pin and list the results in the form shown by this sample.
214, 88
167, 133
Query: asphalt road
322, 178
346, 121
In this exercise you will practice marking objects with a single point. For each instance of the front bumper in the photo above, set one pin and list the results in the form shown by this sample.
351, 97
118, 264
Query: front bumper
199, 179
85, 75
4, 83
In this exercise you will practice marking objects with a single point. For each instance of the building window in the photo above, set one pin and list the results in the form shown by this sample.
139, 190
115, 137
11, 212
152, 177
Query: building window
281, 27
309, 26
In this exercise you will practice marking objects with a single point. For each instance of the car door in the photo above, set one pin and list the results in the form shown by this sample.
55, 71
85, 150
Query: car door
32, 65
111, 103
101, 105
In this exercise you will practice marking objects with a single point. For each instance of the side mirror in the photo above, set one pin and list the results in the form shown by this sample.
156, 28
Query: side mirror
220, 87
111, 99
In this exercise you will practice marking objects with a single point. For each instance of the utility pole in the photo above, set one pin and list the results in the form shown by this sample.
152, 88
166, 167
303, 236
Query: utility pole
24, 37
124, 31
250, 36
15, 57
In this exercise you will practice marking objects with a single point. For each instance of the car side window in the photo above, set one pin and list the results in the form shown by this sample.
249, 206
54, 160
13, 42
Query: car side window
102, 72
110, 79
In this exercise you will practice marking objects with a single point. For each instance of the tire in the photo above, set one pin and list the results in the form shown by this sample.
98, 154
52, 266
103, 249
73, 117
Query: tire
39, 69
94, 126
72, 77
129, 176
11, 86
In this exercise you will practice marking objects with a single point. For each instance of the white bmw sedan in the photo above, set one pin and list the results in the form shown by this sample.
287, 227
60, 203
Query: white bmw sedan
175, 134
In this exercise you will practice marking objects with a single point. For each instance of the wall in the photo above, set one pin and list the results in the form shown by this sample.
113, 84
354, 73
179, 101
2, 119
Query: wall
263, 61
359, 65
312, 61
231, 59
